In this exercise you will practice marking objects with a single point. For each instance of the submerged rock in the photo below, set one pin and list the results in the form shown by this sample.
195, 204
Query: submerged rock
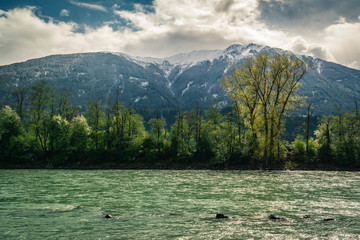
273, 217
174, 214
328, 219
220, 215
108, 216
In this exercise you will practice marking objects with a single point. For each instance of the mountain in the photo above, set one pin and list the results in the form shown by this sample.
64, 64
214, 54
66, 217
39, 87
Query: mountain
180, 81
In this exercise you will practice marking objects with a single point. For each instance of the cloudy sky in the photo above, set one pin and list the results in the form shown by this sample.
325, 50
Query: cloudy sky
329, 29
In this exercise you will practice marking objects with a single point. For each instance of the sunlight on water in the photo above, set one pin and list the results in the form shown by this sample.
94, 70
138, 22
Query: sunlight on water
158, 204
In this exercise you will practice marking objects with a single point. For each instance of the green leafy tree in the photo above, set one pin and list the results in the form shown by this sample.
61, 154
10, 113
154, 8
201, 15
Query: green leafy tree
79, 133
157, 128
178, 133
135, 132
59, 131
213, 128
95, 117
59, 139
265, 90
323, 135
158, 132
345, 139
40, 100
20, 95
65, 109
118, 122
13, 146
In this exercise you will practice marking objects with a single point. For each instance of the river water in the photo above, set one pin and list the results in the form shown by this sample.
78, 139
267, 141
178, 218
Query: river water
167, 204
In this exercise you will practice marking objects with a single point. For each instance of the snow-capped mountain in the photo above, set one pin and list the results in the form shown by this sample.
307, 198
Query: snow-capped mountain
183, 80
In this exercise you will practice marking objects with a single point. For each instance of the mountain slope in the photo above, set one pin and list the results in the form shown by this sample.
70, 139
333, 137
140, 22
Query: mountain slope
183, 80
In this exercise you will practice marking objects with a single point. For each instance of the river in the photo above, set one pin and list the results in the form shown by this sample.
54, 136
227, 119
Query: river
171, 204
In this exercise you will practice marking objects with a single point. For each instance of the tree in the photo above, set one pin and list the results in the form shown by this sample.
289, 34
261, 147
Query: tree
265, 90
59, 129
12, 143
214, 131
158, 132
118, 123
79, 132
178, 135
95, 117
310, 109
40, 100
59, 139
65, 108
20, 94
323, 135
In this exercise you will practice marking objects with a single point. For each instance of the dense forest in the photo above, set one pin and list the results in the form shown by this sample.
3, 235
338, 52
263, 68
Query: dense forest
44, 130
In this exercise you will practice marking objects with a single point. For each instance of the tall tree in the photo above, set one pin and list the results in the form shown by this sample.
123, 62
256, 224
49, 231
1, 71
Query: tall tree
323, 134
95, 117
20, 94
309, 111
157, 127
65, 108
40, 100
265, 88
79, 132
13, 146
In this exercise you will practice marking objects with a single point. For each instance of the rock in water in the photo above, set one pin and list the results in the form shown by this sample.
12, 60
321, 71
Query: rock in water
220, 215
273, 217
108, 216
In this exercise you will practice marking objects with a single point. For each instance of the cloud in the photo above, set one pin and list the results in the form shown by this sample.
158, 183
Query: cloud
64, 13
306, 15
165, 28
342, 39
301, 46
197, 24
89, 6
27, 36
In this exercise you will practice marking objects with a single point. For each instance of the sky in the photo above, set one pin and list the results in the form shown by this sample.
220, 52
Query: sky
328, 29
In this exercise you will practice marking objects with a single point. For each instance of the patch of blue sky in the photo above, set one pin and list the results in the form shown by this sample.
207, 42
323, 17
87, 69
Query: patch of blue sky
85, 13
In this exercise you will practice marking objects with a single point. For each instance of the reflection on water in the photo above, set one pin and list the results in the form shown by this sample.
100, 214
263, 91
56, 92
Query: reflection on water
158, 204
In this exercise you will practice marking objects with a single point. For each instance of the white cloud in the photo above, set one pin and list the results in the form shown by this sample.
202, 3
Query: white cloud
342, 40
64, 13
90, 6
189, 25
23, 36
170, 28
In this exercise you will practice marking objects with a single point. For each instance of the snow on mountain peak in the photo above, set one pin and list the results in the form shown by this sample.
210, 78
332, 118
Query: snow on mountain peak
194, 57
243, 50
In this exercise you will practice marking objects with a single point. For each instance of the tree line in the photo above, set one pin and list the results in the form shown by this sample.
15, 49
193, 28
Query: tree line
48, 131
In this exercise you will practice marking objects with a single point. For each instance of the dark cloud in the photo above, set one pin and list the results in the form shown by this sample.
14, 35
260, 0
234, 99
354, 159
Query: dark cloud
318, 51
175, 42
307, 15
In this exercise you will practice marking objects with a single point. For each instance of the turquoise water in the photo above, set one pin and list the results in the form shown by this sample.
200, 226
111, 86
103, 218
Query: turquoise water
163, 204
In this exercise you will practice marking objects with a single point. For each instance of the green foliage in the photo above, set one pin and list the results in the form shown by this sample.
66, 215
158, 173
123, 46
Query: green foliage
338, 138
56, 136
265, 90
157, 128
95, 117
13, 145
79, 133
59, 139
40, 101
299, 146
10, 125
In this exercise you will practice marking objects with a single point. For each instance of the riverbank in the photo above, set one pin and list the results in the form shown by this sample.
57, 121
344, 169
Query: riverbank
178, 166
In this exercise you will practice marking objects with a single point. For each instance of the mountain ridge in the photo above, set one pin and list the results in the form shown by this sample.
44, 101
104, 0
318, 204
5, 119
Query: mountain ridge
180, 81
